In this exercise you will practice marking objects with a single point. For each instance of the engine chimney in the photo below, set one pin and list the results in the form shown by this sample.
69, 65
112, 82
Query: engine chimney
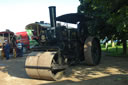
52, 11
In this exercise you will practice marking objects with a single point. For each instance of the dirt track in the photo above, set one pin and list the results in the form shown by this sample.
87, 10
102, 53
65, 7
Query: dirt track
111, 71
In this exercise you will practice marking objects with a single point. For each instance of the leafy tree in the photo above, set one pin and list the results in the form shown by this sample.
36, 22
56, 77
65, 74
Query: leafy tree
110, 18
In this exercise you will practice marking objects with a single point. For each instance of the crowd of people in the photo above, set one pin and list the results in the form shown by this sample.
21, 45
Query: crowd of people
6, 49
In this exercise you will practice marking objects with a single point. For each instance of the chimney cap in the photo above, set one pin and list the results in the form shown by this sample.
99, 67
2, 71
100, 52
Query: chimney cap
52, 6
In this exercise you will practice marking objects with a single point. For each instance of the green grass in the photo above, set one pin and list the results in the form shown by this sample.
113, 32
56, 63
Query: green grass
113, 51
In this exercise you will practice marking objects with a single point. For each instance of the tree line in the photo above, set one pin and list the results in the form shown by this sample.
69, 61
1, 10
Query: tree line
110, 19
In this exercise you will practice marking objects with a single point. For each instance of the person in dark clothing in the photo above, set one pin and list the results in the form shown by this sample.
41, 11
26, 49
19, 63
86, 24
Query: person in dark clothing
19, 49
7, 50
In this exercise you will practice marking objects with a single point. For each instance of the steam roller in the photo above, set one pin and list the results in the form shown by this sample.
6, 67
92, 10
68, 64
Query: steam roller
44, 65
61, 46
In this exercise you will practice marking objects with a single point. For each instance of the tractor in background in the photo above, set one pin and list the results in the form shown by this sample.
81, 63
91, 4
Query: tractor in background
11, 39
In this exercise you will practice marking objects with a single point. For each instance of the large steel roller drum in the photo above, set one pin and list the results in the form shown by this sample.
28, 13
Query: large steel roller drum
39, 65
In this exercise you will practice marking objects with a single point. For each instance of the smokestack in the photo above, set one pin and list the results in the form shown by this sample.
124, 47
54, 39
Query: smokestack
52, 11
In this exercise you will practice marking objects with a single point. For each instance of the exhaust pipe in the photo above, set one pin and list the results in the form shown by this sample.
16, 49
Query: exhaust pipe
52, 11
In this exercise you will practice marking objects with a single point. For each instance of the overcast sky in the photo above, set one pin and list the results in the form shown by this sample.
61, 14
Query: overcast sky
16, 14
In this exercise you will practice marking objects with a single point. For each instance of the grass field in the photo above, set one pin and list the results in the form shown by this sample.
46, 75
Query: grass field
114, 51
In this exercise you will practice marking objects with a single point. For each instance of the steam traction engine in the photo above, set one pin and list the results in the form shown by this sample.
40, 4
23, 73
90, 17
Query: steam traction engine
60, 46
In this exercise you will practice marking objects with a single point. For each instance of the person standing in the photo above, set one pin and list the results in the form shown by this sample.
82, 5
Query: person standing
19, 49
7, 50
